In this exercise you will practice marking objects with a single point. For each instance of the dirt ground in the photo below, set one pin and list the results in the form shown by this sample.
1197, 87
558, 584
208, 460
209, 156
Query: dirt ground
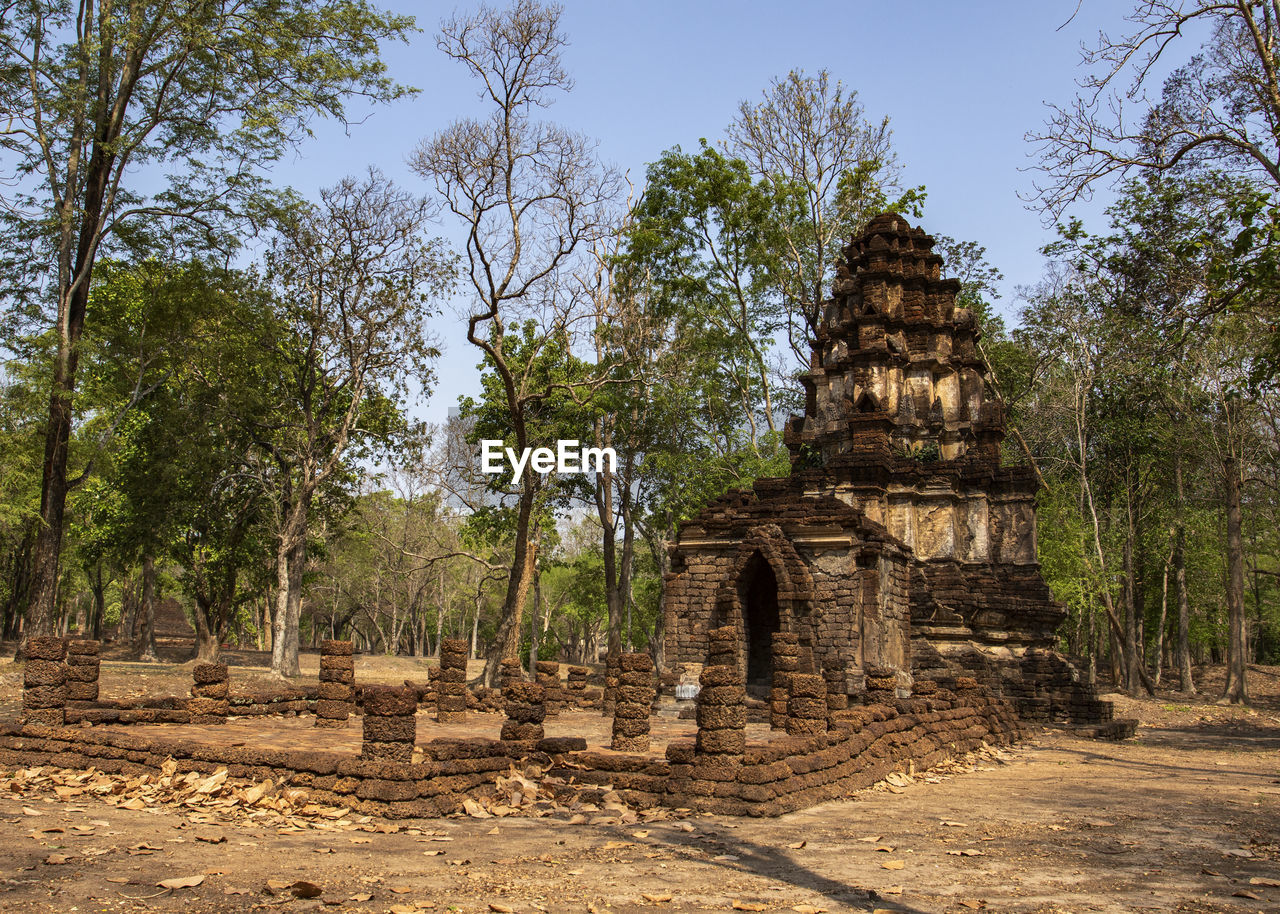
1184, 817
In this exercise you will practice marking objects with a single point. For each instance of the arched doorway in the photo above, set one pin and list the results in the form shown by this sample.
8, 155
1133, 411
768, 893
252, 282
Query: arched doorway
758, 591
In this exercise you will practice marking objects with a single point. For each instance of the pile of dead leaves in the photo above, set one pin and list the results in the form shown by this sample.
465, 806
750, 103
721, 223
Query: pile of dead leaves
532, 793
201, 797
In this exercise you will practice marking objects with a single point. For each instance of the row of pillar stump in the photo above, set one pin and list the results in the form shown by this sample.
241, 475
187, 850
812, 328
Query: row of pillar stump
800, 702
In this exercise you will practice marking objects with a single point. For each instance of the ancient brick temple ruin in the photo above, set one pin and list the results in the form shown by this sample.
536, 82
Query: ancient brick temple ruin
899, 547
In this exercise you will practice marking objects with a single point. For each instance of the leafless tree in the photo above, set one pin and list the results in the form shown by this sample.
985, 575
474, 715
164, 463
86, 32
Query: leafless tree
529, 194
813, 135
1221, 106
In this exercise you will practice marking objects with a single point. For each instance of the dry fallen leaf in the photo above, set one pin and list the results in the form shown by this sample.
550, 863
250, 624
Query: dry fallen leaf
657, 897
892, 865
401, 889
797, 845
1269, 883
501, 908
56, 859
807, 909
301, 889
235, 890
747, 905
118, 880
362, 897
181, 882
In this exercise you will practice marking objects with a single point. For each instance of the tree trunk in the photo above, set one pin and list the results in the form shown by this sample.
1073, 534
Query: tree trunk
147, 636
1164, 615
1185, 682
506, 642
1093, 642
1236, 691
73, 300
290, 557
20, 583
1132, 656
207, 641
535, 625
475, 628
99, 588
42, 609
608, 527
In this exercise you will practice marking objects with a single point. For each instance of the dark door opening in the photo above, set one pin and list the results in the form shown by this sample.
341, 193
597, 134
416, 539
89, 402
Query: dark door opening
758, 588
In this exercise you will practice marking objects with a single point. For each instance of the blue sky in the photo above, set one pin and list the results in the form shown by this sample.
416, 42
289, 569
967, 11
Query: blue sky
962, 83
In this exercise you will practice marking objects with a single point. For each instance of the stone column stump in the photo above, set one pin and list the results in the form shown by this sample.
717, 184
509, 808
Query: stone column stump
336, 699
510, 672
967, 687
83, 668
807, 705
882, 686
634, 703
526, 706
548, 676
432, 693
786, 660
576, 687
210, 691
44, 682
451, 687
837, 696
722, 701
390, 723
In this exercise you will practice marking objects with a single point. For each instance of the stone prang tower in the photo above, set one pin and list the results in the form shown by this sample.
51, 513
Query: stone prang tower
899, 543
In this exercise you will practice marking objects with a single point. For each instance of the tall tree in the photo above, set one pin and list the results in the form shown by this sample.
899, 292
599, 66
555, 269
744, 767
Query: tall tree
528, 194
354, 278
101, 100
